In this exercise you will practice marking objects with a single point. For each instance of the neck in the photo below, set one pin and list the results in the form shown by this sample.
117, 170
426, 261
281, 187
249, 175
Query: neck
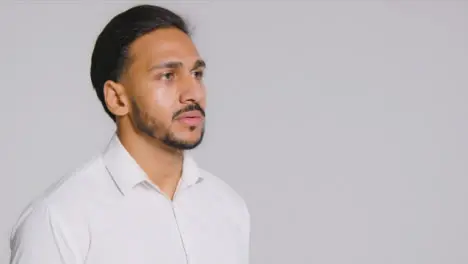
162, 164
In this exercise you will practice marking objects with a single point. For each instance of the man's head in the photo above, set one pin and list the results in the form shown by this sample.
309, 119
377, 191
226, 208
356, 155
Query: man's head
148, 75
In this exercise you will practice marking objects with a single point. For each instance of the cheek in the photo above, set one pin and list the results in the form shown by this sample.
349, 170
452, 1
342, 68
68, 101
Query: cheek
165, 98
161, 103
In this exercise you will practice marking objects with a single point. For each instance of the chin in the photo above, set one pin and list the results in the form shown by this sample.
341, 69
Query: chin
192, 134
192, 137
185, 141
191, 141
182, 144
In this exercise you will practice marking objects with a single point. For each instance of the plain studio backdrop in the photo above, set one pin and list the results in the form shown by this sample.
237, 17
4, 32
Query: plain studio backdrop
343, 124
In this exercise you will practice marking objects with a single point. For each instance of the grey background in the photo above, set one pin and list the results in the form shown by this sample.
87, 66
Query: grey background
343, 124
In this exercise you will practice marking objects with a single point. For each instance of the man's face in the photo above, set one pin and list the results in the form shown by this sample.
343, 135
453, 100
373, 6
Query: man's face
165, 87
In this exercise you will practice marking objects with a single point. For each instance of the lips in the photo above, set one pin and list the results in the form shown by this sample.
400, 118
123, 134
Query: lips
190, 114
191, 118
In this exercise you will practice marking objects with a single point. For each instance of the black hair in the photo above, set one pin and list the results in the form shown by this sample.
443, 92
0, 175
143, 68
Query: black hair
110, 54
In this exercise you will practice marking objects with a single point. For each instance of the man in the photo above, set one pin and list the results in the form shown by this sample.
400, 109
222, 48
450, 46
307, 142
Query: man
144, 200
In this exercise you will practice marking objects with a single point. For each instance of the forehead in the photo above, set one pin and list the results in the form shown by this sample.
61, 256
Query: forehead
161, 45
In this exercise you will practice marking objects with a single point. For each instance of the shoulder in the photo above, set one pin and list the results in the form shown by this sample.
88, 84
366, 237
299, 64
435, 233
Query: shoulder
76, 188
68, 199
57, 219
224, 193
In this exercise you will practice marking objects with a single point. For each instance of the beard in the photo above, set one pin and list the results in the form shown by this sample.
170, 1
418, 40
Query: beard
157, 130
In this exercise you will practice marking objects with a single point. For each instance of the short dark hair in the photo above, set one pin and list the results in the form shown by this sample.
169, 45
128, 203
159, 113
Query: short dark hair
110, 54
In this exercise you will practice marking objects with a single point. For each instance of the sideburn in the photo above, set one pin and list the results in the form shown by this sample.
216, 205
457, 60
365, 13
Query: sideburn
142, 120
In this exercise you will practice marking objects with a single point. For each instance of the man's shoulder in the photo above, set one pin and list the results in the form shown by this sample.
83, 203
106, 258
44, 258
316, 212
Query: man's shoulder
59, 211
223, 191
69, 196
75, 186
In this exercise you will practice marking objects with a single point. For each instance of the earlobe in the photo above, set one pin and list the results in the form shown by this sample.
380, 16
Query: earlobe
115, 98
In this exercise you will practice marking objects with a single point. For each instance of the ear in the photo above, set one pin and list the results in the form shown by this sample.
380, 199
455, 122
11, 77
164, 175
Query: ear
116, 99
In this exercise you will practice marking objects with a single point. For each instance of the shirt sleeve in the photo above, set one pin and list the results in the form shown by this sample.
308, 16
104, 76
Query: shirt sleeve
40, 237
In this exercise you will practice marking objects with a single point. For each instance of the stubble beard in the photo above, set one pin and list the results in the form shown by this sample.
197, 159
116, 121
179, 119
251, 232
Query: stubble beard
151, 127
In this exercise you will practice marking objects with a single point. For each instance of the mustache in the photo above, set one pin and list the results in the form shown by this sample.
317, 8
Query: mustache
188, 108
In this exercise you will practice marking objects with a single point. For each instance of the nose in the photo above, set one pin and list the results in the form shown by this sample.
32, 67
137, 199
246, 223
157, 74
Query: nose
192, 89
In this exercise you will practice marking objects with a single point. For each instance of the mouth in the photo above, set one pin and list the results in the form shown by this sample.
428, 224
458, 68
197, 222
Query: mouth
192, 118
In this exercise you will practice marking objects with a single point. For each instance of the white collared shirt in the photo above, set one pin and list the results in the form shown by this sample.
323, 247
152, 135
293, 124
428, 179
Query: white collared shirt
108, 212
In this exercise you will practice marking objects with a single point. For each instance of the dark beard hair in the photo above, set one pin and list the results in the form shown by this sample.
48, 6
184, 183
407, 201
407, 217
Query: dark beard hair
146, 125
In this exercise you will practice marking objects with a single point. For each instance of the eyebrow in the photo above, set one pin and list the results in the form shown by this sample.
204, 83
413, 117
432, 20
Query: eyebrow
177, 64
199, 64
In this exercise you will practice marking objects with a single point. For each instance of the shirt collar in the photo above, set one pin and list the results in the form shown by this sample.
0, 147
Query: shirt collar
126, 172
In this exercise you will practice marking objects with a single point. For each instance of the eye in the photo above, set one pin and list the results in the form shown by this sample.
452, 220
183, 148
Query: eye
167, 76
198, 74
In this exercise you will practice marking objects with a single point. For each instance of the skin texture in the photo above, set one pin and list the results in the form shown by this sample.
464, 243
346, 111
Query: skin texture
162, 80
